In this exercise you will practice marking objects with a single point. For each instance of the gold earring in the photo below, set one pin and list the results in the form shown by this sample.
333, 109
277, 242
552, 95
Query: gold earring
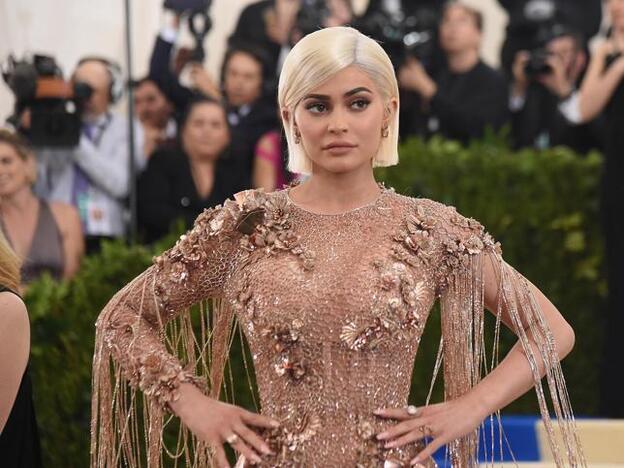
385, 131
297, 137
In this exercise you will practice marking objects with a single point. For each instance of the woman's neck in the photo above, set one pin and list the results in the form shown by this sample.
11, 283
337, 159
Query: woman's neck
19, 202
328, 192
618, 39
461, 62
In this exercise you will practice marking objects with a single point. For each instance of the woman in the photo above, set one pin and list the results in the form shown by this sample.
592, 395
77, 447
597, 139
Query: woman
19, 438
331, 281
180, 183
47, 236
603, 91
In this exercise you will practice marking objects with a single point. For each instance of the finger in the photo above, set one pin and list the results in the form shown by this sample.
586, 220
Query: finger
428, 451
240, 446
412, 436
400, 429
407, 412
259, 420
222, 461
253, 439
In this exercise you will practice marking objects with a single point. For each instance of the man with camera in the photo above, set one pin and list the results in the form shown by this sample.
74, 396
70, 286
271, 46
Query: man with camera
530, 20
464, 96
544, 99
93, 174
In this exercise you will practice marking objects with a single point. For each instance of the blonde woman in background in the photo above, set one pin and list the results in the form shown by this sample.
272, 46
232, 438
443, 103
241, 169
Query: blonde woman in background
331, 281
47, 236
19, 438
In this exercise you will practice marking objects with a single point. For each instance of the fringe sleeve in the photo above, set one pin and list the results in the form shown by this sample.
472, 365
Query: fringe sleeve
133, 351
466, 246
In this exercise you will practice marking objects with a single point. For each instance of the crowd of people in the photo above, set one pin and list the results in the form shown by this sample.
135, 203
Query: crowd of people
199, 139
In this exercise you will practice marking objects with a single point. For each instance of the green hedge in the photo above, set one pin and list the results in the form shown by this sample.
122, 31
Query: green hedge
542, 207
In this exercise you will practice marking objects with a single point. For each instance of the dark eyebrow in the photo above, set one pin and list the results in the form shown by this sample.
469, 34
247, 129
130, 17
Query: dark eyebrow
324, 97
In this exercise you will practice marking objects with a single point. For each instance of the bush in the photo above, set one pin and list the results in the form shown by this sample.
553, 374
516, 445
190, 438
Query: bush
542, 207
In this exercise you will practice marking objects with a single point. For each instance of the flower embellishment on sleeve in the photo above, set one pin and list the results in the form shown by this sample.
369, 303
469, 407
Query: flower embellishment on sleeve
265, 224
415, 238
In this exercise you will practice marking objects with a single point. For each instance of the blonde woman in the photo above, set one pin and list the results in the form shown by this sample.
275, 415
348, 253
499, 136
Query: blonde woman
46, 235
19, 439
331, 282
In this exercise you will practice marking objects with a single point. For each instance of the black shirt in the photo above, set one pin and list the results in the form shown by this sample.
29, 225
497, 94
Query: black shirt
462, 108
19, 440
167, 192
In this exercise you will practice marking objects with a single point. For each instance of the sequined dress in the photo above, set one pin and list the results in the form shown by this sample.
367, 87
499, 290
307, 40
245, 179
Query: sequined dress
333, 308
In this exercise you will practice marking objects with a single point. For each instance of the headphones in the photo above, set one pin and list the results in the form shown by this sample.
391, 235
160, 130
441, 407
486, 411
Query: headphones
115, 74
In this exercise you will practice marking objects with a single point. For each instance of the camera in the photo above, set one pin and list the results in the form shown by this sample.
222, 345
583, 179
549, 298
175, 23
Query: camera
311, 16
537, 65
404, 35
199, 22
55, 105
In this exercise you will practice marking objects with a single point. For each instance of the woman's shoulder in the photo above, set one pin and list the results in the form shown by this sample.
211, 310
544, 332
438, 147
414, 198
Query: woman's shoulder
442, 220
13, 311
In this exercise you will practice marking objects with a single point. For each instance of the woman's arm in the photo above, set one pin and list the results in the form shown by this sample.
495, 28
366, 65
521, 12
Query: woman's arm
14, 349
68, 222
513, 377
599, 84
131, 329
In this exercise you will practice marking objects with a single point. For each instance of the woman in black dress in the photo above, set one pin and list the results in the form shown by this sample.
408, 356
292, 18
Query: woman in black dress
198, 173
603, 90
19, 438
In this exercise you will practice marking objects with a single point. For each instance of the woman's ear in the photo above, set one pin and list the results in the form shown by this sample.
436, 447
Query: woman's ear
285, 113
390, 110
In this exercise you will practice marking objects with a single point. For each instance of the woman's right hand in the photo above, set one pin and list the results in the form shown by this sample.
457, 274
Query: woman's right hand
214, 421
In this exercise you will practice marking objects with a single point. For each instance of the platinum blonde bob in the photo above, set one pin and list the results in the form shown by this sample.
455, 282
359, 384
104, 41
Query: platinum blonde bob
314, 60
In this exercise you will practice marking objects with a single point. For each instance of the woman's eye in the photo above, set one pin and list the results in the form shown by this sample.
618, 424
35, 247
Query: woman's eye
360, 104
317, 108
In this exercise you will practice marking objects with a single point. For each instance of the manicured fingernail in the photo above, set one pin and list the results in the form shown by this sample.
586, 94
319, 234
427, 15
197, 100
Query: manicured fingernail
416, 462
266, 449
389, 444
378, 411
257, 459
382, 435
275, 423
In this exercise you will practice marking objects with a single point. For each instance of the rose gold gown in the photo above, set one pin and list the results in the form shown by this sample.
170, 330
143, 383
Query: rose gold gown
333, 308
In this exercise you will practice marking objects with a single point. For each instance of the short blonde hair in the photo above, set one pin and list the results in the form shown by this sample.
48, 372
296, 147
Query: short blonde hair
314, 60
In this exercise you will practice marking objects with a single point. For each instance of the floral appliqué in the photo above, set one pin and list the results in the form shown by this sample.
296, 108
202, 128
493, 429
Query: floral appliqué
395, 318
285, 440
415, 239
265, 224
285, 343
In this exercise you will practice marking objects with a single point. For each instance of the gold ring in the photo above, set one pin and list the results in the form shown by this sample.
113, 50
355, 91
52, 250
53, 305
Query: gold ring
232, 439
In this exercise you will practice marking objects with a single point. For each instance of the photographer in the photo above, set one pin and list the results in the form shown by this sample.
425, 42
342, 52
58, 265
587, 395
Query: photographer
544, 98
529, 18
463, 98
156, 117
245, 91
93, 176
276, 25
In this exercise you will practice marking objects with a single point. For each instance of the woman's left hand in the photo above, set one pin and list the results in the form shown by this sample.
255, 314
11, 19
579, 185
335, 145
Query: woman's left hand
441, 423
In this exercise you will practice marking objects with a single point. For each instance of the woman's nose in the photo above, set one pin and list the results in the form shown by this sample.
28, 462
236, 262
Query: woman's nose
338, 123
